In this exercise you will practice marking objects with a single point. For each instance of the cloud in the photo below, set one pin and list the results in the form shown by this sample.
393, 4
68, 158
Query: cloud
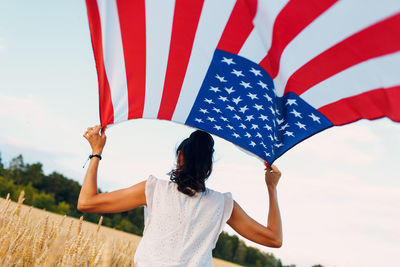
31, 123
31, 128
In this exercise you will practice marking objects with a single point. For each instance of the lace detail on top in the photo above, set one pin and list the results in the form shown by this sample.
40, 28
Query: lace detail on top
181, 230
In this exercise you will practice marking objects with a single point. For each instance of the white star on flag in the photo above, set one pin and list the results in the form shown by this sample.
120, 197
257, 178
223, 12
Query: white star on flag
236, 100
223, 118
314, 118
291, 102
252, 96
214, 89
243, 109
284, 127
220, 78
230, 108
258, 107
223, 98
237, 117
211, 119
245, 85
209, 101
301, 126
217, 110
289, 133
279, 121
228, 61
256, 72
263, 117
268, 98
296, 114
238, 73
263, 85
269, 128
249, 118
229, 90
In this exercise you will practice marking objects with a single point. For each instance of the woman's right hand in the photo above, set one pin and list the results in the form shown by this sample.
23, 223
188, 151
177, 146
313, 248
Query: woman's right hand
270, 235
272, 175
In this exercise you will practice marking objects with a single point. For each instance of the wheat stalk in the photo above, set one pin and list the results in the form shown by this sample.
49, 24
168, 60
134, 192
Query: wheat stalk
107, 255
80, 225
20, 200
27, 240
99, 224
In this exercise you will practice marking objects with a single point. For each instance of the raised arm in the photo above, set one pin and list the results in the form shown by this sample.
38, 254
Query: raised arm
270, 235
117, 201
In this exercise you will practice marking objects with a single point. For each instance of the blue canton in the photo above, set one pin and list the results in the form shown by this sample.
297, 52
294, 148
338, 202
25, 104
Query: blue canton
237, 102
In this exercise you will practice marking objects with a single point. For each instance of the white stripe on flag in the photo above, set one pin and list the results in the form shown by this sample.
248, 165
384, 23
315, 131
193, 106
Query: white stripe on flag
253, 49
114, 62
213, 19
382, 72
339, 22
259, 41
159, 18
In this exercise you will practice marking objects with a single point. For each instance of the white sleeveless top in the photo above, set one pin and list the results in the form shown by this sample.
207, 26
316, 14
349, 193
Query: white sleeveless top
181, 230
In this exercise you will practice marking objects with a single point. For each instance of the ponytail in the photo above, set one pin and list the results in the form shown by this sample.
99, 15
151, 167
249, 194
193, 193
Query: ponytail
197, 152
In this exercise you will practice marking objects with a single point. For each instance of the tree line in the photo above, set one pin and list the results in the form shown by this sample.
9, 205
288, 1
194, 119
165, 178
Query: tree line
57, 193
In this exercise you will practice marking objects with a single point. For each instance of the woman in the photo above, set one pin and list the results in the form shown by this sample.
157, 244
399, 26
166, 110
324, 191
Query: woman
184, 218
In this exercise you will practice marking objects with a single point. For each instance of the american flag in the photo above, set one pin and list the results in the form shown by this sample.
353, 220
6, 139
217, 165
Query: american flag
263, 74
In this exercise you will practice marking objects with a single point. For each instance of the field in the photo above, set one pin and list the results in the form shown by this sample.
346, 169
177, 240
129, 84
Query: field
33, 237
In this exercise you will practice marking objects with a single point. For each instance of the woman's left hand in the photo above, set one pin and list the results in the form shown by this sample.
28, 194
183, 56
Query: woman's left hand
97, 138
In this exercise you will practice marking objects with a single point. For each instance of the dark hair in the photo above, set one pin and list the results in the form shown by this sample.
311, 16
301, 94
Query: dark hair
197, 152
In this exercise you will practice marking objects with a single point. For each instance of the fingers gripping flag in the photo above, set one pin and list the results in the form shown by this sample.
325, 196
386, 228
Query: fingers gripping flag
264, 75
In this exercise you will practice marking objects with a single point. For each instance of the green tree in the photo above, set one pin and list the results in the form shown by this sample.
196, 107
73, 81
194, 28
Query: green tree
32, 173
44, 201
117, 217
251, 255
240, 254
30, 192
6, 186
63, 208
17, 163
260, 264
107, 222
17, 167
125, 225
1, 164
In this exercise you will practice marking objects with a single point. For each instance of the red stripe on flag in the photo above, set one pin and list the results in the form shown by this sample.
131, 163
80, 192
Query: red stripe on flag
293, 18
377, 40
370, 105
105, 101
133, 33
239, 26
186, 19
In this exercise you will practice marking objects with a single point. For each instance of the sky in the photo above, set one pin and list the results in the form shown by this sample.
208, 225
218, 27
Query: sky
339, 194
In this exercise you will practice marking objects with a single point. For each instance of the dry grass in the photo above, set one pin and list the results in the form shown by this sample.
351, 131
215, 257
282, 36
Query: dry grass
33, 237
